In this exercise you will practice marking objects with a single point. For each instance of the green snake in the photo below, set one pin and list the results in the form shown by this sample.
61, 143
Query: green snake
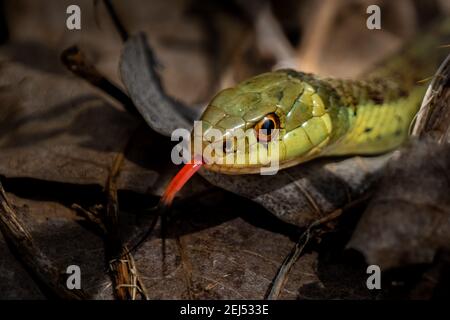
319, 117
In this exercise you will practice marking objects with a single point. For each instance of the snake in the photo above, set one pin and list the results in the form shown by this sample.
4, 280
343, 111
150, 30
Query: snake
317, 116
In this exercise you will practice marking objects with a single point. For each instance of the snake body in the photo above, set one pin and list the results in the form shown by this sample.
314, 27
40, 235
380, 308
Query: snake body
319, 116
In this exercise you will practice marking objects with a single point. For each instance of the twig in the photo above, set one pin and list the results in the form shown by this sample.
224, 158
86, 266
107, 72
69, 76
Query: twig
115, 18
283, 272
74, 59
127, 280
35, 261
123, 270
92, 217
433, 116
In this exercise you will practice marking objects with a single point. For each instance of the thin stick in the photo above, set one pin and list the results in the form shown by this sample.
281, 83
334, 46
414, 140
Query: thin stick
123, 271
74, 59
31, 256
116, 20
91, 217
289, 261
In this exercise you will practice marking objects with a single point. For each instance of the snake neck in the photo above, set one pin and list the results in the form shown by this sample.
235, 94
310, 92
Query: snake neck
375, 91
399, 75
373, 115
375, 112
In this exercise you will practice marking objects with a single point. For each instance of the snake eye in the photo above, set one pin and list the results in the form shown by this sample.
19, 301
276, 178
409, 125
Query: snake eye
264, 128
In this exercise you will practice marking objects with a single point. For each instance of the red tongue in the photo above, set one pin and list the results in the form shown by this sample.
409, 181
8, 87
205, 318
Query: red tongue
179, 181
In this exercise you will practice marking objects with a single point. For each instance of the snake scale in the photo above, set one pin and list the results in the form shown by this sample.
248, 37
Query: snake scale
319, 116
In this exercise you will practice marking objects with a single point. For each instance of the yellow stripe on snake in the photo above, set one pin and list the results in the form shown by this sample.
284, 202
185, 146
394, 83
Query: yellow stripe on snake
328, 117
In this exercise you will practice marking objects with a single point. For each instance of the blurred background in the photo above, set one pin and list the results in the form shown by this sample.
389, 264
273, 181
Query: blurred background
204, 45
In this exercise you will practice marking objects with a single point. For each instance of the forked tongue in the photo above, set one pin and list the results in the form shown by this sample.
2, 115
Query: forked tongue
177, 182
175, 185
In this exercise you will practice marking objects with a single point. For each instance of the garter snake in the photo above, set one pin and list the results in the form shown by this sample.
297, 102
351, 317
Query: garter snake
319, 116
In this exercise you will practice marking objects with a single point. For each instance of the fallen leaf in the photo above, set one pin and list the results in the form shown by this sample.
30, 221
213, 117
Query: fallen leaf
304, 193
58, 232
162, 113
408, 220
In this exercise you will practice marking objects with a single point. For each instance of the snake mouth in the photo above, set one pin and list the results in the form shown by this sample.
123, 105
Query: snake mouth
234, 169
189, 169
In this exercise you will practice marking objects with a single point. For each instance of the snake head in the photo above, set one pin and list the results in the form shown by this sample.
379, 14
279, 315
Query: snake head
277, 117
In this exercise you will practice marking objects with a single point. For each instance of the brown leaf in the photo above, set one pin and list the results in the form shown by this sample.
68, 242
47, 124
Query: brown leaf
56, 230
408, 220
137, 66
231, 249
58, 128
302, 194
